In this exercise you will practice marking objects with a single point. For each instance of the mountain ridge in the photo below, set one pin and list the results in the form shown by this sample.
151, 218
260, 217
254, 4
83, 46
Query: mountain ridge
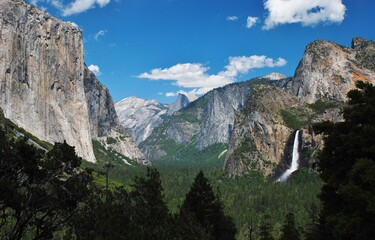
141, 116
203, 123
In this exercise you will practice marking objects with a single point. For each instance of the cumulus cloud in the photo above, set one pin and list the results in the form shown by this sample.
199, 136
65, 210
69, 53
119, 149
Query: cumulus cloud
232, 18
95, 69
196, 77
308, 13
99, 34
251, 21
79, 6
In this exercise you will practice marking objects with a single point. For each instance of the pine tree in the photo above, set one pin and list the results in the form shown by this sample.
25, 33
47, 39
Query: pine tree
150, 219
202, 204
290, 231
265, 228
347, 167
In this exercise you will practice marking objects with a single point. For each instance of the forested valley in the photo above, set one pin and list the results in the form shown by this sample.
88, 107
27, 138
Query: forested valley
48, 192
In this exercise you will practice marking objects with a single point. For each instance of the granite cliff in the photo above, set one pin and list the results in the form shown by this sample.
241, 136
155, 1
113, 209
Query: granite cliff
264, 129
43, 80
329, 71
104, 122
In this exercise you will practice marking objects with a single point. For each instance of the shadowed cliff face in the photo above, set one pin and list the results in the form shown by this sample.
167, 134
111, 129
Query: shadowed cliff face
42, 85
104, 121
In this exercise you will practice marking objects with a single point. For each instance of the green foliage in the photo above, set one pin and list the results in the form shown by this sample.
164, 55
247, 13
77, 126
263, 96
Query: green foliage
111, 140
245, 147
366, 58
265, 228
322, 105
202, 205
290, 230
13, 128
294, 119
243, 198
39, 192
189, 153
120, 174
347, 167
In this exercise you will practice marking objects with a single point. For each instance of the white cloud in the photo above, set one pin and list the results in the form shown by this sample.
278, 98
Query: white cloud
99, 34
308, 13
102, 3
79, 6
95, 69
56, 3
232, 18
194, 75
170, 94
191, 95
251, 21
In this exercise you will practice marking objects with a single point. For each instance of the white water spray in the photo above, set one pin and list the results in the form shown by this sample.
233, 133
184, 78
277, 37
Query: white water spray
295, 158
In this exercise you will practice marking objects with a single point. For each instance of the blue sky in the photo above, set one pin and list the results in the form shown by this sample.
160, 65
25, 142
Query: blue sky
154, 49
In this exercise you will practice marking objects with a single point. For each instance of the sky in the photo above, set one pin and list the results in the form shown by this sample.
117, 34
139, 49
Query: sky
155, 49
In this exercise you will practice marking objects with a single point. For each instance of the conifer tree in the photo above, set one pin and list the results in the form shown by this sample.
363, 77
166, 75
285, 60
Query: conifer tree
290, 231
347, 167
265, 228
151, 218
202, 204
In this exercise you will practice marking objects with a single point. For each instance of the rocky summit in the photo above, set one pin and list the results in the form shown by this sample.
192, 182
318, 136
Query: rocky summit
46, 88
140, 116
328, 70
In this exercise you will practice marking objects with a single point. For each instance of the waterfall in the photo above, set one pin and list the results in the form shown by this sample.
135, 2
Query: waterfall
294, 166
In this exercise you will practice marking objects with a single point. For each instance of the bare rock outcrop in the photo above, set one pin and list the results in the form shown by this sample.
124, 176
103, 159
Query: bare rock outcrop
329, 71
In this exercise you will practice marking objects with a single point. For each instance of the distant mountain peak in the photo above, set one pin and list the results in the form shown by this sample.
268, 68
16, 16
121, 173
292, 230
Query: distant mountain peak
141, 116
181, 102
275, 76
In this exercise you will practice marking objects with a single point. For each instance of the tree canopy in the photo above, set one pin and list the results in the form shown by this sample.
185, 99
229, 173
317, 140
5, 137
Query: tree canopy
347, 167
206, 208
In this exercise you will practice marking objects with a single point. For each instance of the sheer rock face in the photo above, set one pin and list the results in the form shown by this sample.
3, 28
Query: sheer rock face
104, 121
103, 117
218, 115
42, 80
260, 134
329, 71
41, 76
140, 116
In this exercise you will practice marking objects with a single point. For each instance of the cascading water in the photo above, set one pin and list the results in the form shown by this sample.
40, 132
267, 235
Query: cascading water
295, 158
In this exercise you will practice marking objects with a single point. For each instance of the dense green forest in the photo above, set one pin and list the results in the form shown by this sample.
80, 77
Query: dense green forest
47, 192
